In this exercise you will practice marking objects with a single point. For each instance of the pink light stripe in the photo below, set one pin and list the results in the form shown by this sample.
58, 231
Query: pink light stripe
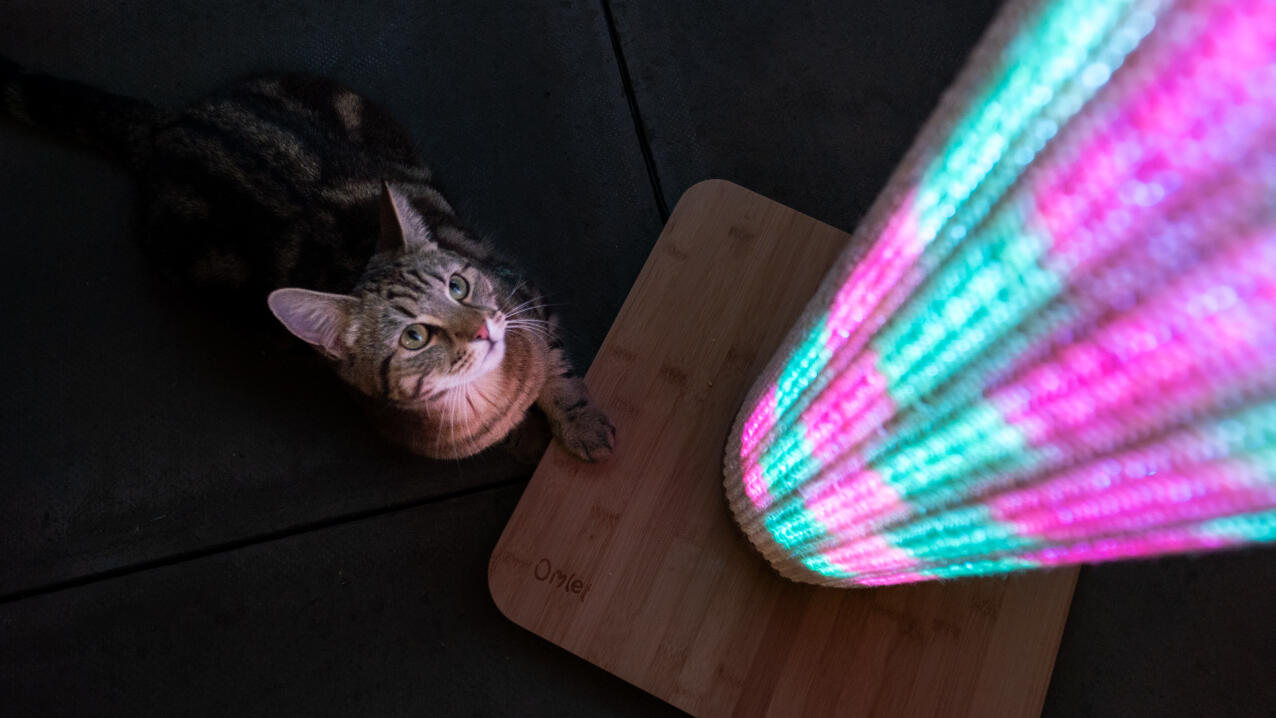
1174, 452
760, 421
1135, 546
857, 311
755, 486
1163, 499
1193, 233
842, 460
848, 411
871, 554
892, 254
1175, 403
853, 504
877, 286
1170, 351
1144, 145
893, 579
852, 394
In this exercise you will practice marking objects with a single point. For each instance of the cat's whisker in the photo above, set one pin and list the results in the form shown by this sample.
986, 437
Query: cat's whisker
513, 291
540, 328
527, 331
525, 308
527, 314
520, 305
541, 332
550, 305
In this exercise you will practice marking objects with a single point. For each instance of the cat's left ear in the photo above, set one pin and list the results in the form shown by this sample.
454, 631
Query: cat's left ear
401, 226
315, 317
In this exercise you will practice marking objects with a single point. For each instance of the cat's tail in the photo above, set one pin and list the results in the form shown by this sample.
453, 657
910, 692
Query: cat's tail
117, 126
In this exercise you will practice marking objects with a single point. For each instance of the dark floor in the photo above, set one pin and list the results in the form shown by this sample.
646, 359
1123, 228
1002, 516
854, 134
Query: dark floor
191, 526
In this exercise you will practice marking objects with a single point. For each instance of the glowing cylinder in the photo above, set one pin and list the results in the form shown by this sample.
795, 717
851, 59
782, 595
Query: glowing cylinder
1053, 339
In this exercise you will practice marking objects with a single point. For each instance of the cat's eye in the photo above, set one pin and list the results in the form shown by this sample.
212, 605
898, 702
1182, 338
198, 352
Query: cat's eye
415, 336
458, 287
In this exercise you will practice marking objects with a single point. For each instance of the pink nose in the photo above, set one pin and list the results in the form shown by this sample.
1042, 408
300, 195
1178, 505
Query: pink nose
482, 333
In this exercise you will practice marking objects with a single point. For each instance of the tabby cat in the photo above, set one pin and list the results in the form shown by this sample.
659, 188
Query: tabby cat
295, 193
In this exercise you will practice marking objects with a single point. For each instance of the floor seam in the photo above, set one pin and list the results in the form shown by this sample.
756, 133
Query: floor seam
256, 539
632, 99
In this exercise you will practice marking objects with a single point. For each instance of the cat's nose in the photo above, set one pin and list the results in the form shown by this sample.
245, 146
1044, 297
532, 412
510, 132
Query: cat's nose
482, 333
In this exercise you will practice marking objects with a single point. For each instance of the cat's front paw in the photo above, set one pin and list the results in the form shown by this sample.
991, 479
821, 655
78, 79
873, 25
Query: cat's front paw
587, 433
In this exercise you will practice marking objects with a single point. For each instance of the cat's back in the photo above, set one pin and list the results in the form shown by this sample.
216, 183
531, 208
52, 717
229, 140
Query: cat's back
272, 181
308, 126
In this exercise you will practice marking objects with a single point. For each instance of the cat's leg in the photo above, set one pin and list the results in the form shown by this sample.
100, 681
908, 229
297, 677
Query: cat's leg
574, 418
526, 444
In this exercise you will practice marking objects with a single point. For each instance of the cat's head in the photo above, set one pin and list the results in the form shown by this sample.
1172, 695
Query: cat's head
421, 321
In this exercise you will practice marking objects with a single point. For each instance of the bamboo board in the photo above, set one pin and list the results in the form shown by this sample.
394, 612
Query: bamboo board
636, 566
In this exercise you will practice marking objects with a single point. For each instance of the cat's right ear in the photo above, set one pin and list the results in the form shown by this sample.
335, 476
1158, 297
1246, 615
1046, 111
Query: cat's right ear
315, 317
401, 226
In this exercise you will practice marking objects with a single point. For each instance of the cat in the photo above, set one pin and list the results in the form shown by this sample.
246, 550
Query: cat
295, 194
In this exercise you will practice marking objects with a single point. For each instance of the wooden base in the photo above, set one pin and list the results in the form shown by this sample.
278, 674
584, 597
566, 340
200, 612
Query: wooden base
636, 565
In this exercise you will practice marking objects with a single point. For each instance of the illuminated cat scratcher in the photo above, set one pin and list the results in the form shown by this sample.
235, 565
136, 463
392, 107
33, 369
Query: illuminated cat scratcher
1060, 345
1052, 340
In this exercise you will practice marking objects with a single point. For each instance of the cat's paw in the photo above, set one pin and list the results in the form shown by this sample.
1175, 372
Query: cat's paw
587, 433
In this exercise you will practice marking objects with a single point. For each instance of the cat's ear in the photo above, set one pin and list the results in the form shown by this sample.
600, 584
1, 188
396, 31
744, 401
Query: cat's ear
401, 226
315, 317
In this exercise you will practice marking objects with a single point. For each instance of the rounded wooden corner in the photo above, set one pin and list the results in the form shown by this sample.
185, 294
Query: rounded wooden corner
709, 186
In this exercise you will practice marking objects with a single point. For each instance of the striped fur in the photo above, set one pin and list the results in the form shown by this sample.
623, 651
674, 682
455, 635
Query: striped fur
297, 190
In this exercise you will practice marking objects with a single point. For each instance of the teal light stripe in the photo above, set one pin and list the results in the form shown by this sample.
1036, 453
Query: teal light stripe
824, 567
785, 465
1252, 429
788, 455
1259, 454
1248, 436
987, 289
788, 521
806, 363
957, 534
1036, 88
974, 439
1253, 528
984, 567
1037, 65
921, 417
792, 526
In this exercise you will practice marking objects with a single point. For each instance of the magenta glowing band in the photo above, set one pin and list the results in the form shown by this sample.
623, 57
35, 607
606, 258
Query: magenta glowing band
1073, 270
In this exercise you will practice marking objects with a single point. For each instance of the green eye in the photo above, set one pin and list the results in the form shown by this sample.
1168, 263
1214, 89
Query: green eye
458, 287
415, 336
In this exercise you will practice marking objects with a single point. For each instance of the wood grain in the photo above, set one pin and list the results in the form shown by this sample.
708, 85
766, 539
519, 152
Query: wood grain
636, 566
